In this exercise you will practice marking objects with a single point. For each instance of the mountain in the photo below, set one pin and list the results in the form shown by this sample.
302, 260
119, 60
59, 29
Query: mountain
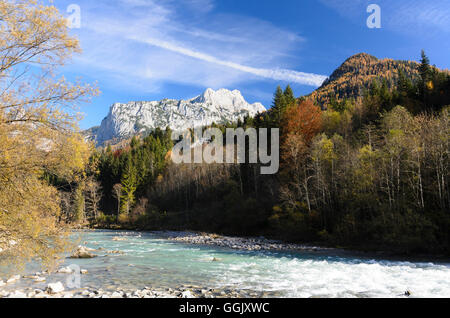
125, 120
357, 73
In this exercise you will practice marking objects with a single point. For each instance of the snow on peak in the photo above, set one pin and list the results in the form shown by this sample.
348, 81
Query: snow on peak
125, 120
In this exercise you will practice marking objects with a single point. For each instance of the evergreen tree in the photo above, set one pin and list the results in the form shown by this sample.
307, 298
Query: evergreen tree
425, 76
277, 106
128, 182
289, 97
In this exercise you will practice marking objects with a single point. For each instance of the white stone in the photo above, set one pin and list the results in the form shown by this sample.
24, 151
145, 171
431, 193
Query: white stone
117, 295
55, 288
187, 294
2, 283
17, 294
65, 270
13, 279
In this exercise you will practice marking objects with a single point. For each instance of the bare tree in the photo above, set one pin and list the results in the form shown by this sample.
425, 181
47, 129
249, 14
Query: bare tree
117, 193
93, 197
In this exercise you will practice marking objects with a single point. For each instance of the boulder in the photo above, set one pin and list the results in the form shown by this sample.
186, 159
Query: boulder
65, 270
187, 294
118, 238
82, 252
117, 295
55, 288
13, 279
17, 294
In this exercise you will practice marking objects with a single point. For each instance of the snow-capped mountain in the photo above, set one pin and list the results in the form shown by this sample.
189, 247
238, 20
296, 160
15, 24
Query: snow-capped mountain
125, 120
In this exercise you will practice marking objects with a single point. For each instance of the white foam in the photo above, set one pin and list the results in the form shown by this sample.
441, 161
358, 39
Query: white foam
341, 278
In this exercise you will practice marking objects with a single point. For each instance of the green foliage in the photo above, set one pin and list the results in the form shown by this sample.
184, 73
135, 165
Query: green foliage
135, 168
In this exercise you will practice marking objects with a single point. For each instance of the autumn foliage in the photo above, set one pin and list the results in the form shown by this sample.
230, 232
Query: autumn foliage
303, 119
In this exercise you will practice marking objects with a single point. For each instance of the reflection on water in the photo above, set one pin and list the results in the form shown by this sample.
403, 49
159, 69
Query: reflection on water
149, 259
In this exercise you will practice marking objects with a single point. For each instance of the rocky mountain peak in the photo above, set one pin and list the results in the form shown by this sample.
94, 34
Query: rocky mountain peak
125, 120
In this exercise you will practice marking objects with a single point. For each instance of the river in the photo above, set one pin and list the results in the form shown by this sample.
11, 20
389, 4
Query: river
150, 259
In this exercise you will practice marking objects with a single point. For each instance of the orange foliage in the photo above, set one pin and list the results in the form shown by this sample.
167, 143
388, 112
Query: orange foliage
304, 119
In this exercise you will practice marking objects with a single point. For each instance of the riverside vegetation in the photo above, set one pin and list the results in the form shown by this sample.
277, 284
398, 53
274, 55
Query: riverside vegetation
368, 171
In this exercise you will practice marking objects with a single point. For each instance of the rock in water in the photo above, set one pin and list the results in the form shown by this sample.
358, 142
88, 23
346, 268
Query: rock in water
13, 279
55, 288
82, 252
65, 270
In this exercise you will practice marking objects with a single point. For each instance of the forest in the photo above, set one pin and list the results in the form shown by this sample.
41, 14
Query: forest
369, 173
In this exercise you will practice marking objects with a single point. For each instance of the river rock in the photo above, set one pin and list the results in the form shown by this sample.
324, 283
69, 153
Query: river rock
65, 270
82, 252
17, 294
55, 288
187, 294
117, 295
39, 279
118, 238
84, 271
13, 279
2, 283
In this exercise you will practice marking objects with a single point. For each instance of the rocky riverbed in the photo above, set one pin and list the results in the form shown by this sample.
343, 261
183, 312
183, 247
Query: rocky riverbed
240, 243
35, 282
58, 290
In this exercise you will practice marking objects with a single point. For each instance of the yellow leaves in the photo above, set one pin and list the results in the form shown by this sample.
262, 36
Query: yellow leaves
31, 220
38, 126
430, 85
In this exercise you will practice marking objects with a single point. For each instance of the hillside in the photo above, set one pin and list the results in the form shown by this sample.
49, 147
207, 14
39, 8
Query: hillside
357, 73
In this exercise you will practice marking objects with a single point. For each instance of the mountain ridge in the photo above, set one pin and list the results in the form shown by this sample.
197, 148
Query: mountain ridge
127, 119
357, 74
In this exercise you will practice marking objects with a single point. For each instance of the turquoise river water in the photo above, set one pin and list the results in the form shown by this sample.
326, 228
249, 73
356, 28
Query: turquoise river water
150, 259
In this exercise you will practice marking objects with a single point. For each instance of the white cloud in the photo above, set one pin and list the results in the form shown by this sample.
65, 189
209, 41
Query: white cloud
275, 74
155, 42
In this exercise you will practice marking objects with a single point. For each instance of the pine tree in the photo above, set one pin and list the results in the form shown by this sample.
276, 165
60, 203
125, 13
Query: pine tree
128, 182
425, 76
289, 97
278, 106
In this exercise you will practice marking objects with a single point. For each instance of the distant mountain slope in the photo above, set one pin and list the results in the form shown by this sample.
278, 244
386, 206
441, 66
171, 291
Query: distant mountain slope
125, 120
357, 73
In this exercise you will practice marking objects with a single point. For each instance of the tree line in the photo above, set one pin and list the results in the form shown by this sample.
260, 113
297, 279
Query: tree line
367, 173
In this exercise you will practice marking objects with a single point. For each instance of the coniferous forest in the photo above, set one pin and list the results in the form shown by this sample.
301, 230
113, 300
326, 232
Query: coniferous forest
368, 173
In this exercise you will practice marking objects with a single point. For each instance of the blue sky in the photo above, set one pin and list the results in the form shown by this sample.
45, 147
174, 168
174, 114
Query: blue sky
155, 49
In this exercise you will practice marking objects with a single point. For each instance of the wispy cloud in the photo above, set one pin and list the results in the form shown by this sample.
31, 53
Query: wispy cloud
404, 16
157, 42
275, 74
